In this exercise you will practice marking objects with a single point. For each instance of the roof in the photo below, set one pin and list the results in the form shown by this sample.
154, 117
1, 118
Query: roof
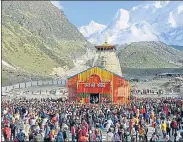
101, 69
105, 45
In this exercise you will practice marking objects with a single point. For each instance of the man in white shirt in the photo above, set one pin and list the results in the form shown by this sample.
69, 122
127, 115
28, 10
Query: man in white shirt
168, 126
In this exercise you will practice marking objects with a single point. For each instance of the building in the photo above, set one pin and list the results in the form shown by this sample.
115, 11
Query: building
101, 83
106, 58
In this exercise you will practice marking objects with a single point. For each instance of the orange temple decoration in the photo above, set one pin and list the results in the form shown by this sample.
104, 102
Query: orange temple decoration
99, 81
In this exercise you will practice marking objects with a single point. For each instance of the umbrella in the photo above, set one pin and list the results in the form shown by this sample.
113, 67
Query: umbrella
181, 131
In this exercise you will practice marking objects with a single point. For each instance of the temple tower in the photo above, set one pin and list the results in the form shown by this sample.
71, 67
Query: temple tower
106, 58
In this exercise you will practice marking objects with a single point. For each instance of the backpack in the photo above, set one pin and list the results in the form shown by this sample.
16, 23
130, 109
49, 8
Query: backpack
20, 136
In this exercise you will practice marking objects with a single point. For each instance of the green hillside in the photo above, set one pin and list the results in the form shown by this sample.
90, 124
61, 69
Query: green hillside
149, 55
37, 37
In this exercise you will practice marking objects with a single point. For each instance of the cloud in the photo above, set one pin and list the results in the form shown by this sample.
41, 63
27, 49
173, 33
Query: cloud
57, 4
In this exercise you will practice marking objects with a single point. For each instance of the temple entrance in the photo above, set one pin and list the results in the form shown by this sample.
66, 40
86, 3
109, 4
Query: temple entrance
94, 98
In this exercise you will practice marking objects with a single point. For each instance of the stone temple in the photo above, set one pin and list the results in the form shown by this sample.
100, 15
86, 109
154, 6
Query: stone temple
101, 83
106, 58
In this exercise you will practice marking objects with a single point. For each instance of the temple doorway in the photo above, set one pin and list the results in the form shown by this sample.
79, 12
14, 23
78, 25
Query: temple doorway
94, 98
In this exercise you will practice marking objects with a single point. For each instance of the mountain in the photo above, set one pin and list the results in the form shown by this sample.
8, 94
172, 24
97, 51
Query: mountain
152, 21
150, 55
38, 39
92, 28
177, 47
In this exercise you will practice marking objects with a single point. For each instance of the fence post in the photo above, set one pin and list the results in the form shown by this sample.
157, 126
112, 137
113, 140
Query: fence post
31, 83
19, 85
25, 85
6, 88
37, 82
40, 91
57, 81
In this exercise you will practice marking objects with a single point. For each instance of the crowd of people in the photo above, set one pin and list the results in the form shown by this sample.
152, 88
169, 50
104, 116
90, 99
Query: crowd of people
52, 120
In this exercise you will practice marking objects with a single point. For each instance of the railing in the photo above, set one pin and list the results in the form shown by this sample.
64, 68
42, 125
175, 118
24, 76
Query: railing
23, 85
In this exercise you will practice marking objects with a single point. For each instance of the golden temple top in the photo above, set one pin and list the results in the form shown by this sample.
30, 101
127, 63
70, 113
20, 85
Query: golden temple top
105, 45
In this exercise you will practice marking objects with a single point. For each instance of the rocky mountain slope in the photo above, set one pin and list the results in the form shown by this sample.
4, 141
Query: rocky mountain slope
149, 55
152, 21
37, 38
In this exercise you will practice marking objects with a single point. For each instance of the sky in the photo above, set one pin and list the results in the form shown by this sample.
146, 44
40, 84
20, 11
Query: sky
80, 13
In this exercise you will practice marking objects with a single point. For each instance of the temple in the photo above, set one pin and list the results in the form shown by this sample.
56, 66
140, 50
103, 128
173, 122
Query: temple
106, 58
102, 83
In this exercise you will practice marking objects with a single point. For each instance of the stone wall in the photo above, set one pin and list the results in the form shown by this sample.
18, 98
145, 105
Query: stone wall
109, 61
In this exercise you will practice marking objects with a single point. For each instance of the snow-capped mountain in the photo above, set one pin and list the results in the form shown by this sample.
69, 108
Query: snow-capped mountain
92, 28
153, 21
120, 22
